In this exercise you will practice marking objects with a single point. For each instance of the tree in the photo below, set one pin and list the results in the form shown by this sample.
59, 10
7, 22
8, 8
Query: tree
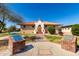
75, 29
7, 14
2, 26
51, 30
12, 28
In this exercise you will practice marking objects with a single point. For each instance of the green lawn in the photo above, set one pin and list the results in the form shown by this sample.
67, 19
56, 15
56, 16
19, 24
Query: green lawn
55, 39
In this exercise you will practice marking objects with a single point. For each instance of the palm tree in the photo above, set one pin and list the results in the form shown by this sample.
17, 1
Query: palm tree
6, 14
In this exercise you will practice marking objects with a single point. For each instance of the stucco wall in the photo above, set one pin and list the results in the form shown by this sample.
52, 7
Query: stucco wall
27, 30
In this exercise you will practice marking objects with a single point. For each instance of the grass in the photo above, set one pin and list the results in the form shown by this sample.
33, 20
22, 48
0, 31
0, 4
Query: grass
4, 34
29, 35
55, 39
77, 41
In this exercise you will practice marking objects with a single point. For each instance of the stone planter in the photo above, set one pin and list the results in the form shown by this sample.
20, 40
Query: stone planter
16, 46
70, 45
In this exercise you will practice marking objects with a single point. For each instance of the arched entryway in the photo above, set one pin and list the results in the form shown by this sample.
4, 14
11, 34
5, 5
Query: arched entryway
39, 30
39, 27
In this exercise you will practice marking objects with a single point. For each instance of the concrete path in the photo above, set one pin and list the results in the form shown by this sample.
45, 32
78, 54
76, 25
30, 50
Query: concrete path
41, 47
45, 49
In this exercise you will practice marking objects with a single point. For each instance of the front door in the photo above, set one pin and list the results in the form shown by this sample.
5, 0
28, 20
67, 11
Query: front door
39, 30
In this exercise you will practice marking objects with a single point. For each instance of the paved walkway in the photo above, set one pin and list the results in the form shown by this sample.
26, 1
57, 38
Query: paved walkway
45, 49
41, 47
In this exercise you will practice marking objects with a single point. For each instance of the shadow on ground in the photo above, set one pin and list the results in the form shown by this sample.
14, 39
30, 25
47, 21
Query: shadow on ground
77, 49
26, 48
38, 37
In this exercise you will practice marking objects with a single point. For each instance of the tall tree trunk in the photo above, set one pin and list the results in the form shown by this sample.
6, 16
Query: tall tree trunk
3, 22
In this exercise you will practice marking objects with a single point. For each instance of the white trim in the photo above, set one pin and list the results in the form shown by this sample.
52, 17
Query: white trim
39, 22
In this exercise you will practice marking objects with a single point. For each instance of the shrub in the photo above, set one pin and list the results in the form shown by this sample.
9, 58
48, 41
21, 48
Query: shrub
51, 30
18, 29
75, 29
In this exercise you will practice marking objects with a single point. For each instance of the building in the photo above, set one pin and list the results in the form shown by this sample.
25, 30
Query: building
38, 27
66, 29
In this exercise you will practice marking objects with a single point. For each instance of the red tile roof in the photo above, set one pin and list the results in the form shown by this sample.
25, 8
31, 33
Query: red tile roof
27, 23
50, 23
33, 23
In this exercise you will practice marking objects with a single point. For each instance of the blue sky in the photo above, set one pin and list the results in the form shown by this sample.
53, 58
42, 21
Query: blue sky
63, 13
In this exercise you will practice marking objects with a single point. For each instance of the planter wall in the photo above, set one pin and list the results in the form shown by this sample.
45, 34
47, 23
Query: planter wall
70, 45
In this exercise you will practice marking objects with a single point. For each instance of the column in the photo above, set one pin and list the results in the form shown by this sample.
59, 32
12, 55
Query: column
43, 30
